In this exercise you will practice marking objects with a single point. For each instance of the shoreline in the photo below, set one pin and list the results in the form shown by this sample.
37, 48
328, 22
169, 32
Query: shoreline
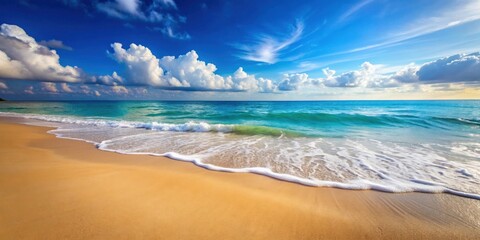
426, 187
60, 188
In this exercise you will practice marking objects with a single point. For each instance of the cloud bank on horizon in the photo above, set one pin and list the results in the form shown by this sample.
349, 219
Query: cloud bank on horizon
31, 67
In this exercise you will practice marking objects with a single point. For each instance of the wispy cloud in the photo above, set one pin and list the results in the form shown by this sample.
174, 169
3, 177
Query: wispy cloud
442, 19
168, 31
269, 48
136, 9
450, 16
159, 14
162, 12
351, 11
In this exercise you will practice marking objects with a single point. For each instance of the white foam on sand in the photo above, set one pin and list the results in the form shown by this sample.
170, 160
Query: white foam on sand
356, 165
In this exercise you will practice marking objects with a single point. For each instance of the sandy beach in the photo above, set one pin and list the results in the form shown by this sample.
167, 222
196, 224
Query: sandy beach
53, 188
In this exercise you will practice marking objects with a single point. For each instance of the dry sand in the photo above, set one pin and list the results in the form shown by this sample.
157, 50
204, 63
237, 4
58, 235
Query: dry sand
54, 188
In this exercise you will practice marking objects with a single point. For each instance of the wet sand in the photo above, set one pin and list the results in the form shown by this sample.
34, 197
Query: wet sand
53, 188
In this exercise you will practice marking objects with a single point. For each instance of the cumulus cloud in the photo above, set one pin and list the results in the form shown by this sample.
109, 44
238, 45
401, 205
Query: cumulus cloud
3, 86
141, 91
65, 88
120, 90
84, 89
188, 71
21, 57
407, 74
367, 76
291, 82
29, 90
266, 85
185, 72
242, 81
459, 68
55, 44
142, 66
111, 80
49, 87
456, 68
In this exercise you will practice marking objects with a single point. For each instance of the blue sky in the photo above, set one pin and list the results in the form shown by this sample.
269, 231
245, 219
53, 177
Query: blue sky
215, 50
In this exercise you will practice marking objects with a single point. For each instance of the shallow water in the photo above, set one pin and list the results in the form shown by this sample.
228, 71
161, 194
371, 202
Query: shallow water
393, 146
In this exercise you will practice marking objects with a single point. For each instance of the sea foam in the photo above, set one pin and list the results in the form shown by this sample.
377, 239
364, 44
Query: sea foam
190, 126
347, 164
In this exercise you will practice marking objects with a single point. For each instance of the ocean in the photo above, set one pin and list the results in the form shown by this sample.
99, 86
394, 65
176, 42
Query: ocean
390, 146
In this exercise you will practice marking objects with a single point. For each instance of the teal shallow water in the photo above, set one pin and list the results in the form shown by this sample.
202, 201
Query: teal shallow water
310, 118
393, 145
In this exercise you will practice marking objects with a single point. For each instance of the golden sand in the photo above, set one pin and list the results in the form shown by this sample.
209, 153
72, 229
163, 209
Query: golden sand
54, 188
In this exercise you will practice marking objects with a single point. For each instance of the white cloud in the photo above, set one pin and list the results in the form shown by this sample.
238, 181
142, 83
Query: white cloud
29, 90
328, 72
407, 74
242, 81
140, 91
97, 93
49, 87
3, 85
459, 68
268, 48
449, 15
292, 82
170, 32
142, 66
161, 12
438, 18
170, 3
123, 9
120, 90
111, 80
367, 76
456, 68
266, 85
21, 57
351, 11
66, 88
85, 89
185, 72
11, 68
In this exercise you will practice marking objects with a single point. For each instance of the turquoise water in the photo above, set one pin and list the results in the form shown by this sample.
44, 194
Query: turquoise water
328, 118
387, 145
